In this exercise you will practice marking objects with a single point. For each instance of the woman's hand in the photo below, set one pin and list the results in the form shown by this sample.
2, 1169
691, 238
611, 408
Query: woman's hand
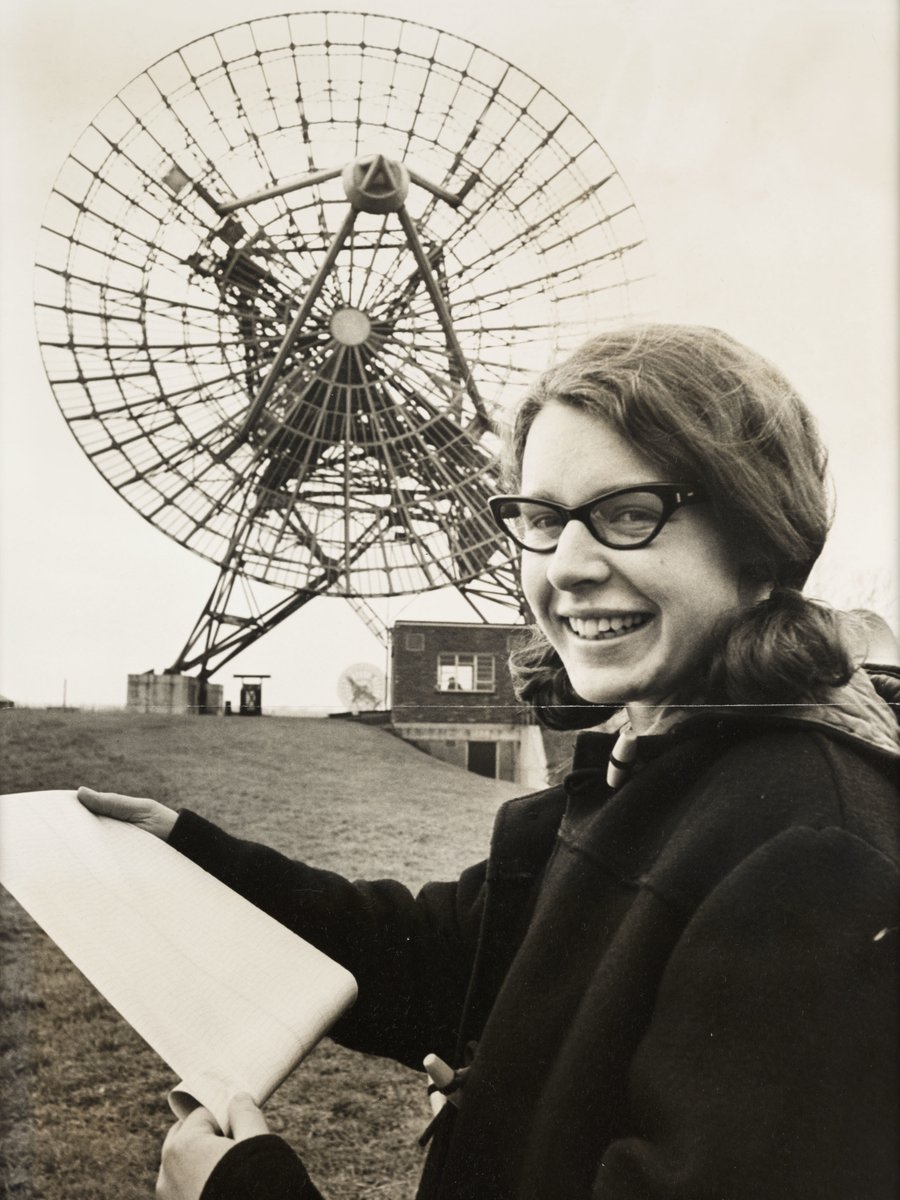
156, 818
195, 1145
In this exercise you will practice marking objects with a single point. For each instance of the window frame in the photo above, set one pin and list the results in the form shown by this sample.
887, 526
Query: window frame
483, 667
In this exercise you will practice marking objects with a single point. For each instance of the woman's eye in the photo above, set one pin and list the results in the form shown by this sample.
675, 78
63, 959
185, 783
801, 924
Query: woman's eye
637, 516
633, 515
544, 521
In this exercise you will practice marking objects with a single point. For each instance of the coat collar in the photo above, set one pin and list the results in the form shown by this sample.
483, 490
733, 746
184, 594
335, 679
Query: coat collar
857, 713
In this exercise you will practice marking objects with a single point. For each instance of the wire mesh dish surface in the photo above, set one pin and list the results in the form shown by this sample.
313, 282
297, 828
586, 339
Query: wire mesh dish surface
290, 275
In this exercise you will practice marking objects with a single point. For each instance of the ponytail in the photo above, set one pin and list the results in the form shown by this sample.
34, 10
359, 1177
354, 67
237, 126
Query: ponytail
787, 649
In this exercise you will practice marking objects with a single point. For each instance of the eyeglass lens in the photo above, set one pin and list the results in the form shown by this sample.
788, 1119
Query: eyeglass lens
620, 520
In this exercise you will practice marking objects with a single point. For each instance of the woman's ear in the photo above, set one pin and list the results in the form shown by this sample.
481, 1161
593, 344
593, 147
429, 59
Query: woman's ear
751, 588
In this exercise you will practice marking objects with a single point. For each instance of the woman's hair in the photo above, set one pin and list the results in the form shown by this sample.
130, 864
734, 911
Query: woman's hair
707, 410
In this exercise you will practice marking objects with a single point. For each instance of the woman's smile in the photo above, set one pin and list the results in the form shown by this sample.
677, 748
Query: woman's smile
605, 628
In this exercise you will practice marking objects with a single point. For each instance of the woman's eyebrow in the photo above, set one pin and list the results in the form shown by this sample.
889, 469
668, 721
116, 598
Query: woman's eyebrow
544, 494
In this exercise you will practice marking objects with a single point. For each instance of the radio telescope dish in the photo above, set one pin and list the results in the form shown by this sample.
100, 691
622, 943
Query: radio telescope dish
285, 282
361, 688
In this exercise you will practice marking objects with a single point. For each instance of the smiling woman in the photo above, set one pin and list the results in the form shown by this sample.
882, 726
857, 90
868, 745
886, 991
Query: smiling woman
701, 604
629, 623
643, 992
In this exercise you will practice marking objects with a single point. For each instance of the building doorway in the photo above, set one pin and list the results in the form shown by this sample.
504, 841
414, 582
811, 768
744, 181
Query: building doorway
483, 758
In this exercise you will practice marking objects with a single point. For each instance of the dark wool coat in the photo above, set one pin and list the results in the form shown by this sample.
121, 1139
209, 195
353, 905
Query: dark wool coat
686, 989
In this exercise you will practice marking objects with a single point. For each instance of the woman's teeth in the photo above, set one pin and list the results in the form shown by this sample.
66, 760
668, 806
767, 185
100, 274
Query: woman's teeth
605, 627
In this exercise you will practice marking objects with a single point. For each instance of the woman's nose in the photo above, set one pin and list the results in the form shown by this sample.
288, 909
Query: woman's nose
577, 559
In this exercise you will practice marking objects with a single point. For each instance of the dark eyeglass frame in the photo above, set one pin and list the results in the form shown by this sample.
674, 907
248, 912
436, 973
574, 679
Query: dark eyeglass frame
673, 496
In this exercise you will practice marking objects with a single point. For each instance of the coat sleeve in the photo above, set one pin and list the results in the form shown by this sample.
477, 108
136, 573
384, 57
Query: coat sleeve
770, 1065
264, 1168
411, 956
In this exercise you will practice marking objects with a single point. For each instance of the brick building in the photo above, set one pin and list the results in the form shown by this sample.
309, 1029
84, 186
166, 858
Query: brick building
452, 696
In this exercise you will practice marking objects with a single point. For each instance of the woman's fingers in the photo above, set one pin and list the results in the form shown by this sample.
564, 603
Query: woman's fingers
246, 1118
200, 1123
190, 1153
112, 804
148, 814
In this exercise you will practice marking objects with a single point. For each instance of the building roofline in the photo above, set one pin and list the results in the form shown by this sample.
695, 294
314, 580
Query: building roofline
459, 625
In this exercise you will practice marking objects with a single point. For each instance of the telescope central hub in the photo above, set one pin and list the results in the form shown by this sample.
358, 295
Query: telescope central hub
350, 326
376, 184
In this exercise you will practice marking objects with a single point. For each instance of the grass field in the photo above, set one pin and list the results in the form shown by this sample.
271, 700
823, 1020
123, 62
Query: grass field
82, 1098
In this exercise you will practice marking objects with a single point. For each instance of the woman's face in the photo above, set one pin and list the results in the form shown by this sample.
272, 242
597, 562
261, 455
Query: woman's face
629, 625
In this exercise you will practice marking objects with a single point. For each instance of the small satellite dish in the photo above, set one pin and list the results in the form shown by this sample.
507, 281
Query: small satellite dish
361, 688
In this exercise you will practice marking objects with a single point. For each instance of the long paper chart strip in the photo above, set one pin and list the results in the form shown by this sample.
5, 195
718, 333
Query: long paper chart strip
229, 998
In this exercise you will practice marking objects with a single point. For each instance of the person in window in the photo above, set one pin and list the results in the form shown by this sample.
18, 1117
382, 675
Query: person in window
675, 975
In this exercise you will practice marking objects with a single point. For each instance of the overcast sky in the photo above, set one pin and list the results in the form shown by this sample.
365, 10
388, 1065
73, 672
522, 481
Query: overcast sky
758, 141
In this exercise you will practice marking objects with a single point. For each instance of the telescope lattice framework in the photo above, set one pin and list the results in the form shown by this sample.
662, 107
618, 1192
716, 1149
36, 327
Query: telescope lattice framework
286, 279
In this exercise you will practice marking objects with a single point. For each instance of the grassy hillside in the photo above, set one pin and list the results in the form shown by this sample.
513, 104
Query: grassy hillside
82, 1099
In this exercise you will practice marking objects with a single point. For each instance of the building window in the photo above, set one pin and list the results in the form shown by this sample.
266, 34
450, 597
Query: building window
465, 672
415, 641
